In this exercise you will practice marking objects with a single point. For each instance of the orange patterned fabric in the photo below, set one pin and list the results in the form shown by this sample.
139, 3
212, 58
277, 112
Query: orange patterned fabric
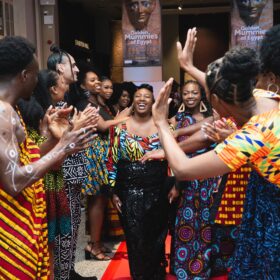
256, 142
231, 207
23, 227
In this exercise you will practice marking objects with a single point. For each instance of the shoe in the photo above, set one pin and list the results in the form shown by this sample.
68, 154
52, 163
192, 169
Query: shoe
105, 249
99, 255
75, 276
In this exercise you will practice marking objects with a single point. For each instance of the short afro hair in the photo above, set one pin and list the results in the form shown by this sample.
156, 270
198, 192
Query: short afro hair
15, 54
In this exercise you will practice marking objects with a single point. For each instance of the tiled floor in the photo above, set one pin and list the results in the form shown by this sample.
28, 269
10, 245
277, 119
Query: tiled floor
91, 267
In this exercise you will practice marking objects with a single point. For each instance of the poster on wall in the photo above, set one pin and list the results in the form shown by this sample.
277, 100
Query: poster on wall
250, 19
141, 29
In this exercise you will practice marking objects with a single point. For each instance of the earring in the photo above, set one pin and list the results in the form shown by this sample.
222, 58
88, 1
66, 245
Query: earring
202, 107
273, 85
182, 108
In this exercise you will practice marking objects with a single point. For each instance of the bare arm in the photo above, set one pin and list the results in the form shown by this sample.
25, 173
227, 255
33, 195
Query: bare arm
200, 167
103, 125
195, 142
185, 58
13, 176
191, 129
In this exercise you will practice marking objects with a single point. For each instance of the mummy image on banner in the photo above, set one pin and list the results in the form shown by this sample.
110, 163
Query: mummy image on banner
141, 27
250, 19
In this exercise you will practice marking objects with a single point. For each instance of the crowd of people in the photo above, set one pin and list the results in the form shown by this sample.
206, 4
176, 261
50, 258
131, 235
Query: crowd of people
204, 168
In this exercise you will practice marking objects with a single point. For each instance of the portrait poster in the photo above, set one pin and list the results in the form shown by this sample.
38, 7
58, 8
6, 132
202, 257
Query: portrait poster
249, 22
141, 29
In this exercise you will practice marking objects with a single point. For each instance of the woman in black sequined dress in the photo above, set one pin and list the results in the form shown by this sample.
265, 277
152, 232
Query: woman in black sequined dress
139, 192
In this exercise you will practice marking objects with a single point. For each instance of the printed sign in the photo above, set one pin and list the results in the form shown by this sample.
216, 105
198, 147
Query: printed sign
141, 26
250, 19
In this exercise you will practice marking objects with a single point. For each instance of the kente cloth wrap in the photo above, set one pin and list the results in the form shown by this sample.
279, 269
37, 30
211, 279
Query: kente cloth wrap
192, 234
23, 227
228, 210
257, 245
256, 142
231, 206
144, 201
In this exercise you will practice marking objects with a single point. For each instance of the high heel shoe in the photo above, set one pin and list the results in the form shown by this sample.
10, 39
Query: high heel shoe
99, 255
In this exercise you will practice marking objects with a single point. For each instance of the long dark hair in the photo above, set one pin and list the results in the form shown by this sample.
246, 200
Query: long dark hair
46, 79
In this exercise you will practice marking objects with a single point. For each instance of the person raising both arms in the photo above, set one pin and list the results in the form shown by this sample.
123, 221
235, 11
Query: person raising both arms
230, 82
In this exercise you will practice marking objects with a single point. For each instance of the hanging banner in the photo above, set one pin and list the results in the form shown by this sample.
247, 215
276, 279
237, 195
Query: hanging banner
250, 19
141, 26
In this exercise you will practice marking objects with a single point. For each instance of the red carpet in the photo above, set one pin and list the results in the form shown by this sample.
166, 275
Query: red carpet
118, 268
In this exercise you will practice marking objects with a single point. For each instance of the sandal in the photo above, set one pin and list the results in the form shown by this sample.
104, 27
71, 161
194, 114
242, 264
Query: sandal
103, 248
99, 255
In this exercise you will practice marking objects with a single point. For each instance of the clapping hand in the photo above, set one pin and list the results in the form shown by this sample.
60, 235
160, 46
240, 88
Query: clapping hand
161, 105
89, 116
55, 121
219, 130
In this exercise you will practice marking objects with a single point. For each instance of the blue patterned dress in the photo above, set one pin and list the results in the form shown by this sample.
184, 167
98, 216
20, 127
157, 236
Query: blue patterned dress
192, 240
257, 254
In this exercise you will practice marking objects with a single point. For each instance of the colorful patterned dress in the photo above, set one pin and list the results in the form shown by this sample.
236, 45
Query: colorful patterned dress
192, 240
23, 227
257, 255
140, 187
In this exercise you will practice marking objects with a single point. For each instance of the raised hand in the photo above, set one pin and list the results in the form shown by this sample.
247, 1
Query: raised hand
87, 117
74, 141
185, 55
161, 105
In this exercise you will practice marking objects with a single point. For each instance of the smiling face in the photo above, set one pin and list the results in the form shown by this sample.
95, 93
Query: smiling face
124, 99
191, 95
143, 101
91, 83
139, 12
106, 89
250, 10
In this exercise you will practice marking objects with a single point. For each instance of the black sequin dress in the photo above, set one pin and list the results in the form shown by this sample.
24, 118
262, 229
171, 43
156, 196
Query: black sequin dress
140, 187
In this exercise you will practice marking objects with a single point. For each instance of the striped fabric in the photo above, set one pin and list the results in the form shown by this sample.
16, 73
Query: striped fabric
23, 227
256, 142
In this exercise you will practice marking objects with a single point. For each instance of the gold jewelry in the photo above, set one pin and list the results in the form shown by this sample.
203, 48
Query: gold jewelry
202, 107
182, 108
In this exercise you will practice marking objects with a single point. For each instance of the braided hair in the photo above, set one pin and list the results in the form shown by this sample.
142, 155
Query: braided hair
232, 78
46, 79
